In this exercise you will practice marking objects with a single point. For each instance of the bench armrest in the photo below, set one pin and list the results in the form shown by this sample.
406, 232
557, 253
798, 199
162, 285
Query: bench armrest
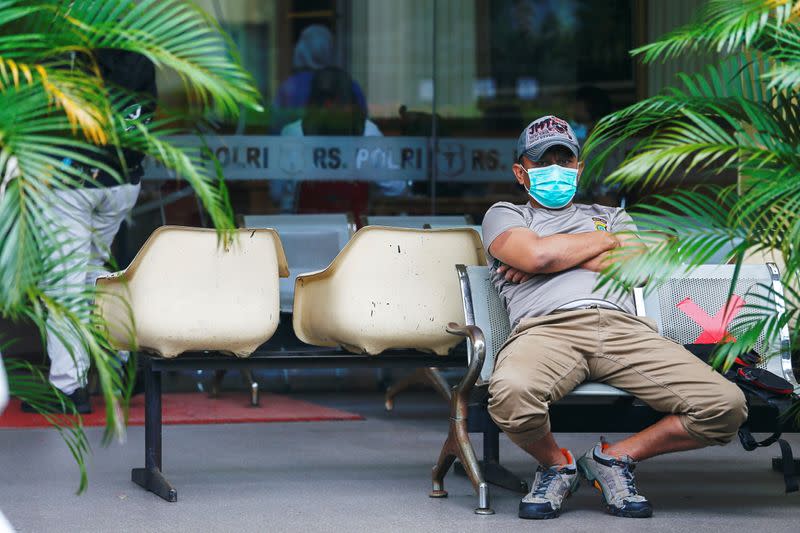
464, 387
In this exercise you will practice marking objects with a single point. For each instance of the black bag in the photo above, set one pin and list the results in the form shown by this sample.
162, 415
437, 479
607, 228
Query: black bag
777, 393
774, 391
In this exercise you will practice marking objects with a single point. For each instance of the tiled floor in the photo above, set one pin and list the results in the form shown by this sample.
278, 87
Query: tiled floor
370, 475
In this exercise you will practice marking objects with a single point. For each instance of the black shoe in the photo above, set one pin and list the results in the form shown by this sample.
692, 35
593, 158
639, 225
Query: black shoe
80, 398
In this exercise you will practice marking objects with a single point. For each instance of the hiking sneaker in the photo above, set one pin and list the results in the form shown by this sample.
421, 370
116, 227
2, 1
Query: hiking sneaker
550, 488
613, 477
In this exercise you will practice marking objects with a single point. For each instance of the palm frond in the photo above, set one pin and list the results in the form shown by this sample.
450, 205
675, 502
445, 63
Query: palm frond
176, 35
719, 95
685, 228
54, 107
739, 116
76, 94
27, 383
723, 26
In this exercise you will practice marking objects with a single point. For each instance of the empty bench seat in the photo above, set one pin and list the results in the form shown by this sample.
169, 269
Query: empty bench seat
188, 290
389, 288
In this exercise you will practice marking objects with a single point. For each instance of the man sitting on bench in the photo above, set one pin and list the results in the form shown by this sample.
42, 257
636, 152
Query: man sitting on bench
545, 257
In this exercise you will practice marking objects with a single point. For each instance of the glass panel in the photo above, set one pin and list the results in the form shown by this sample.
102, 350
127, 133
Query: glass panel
414, 93
349, 88
503, 63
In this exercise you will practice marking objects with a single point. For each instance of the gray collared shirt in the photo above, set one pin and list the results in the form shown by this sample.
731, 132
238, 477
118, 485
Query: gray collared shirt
544, 293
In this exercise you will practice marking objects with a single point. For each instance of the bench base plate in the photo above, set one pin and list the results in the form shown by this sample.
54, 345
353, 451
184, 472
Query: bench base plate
153, 480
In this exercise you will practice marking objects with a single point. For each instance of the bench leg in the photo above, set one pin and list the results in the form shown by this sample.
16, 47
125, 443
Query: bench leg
215, 385
150, 477
421, 376
493, 471
459, 446
251, 381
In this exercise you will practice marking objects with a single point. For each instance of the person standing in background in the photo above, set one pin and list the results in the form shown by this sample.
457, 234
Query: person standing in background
4, 525
87, 215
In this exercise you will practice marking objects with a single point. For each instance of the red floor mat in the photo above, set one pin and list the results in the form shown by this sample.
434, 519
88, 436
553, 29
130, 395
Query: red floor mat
198, 408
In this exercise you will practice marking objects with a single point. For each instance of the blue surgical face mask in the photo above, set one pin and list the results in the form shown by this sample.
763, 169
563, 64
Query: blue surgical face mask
553, 186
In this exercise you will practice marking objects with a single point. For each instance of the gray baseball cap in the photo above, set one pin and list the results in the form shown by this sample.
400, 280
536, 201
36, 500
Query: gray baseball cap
543, 133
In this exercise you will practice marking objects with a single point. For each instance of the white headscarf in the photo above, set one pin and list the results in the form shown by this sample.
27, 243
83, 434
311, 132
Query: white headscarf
314, 49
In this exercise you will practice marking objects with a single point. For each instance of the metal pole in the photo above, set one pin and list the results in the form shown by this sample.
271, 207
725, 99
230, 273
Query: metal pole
218, 13
152, 426
434, 121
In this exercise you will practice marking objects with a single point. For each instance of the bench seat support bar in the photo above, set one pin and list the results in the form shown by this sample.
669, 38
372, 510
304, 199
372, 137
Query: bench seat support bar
150, 477
458, 445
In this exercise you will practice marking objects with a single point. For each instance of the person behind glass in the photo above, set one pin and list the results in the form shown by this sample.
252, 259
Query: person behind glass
314, 51
545, 256
333, 109
88, 215
590, 105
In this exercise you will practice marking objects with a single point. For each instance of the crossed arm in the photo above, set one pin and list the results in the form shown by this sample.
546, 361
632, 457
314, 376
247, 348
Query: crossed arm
524, 253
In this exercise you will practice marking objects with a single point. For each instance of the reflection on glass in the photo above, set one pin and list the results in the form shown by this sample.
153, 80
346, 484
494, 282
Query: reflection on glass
488, 66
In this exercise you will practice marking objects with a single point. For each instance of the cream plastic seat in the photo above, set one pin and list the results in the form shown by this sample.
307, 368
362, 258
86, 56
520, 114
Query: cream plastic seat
389, 288
185, 291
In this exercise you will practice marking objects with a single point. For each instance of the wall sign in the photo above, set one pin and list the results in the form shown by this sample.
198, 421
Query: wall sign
251, 157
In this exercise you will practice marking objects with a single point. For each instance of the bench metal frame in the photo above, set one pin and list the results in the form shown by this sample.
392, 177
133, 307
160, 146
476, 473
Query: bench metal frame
152, 478
611, 410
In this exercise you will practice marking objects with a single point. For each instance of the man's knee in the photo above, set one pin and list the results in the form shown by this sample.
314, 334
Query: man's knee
719, 420
518, 407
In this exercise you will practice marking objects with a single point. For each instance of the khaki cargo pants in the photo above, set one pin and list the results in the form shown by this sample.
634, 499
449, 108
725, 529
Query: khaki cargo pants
546, 357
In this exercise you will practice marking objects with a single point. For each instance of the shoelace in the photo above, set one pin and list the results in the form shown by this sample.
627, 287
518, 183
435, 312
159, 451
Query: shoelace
626, 472
548, 476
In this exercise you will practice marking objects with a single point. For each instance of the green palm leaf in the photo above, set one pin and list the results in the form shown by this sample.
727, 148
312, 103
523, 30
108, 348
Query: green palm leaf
739, 116
54, 106
27, 383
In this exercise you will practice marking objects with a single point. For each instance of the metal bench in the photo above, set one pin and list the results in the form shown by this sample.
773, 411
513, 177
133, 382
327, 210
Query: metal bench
406, 271
487, 327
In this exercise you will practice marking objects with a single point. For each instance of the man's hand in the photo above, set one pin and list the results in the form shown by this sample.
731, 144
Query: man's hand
512, 274
597, 263
631, 245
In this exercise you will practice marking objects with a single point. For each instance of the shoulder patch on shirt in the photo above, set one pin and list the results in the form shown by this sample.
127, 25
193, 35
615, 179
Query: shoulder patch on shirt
600, 223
